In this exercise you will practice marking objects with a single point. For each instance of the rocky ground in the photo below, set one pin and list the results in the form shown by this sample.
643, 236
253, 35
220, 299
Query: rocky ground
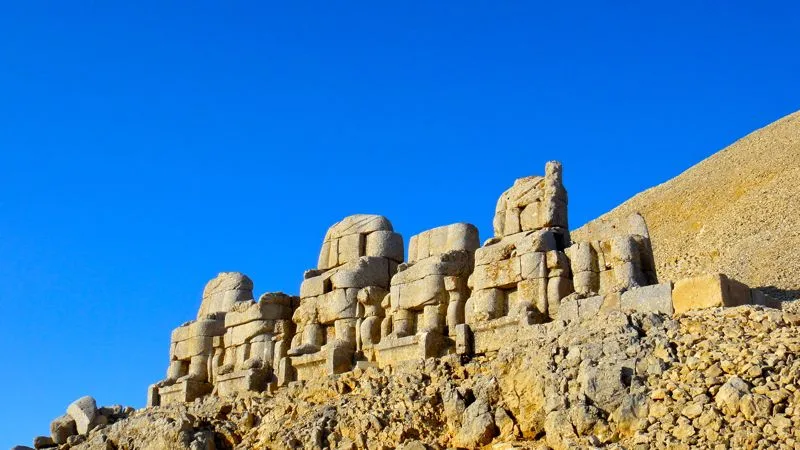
731, 213
709, 379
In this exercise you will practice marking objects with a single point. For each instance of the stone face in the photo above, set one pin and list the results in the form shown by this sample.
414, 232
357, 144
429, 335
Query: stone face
62, 428
84, 412
708, 291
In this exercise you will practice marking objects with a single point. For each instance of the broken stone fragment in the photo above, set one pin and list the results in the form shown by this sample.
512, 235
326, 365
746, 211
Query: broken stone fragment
62, 428
84, 412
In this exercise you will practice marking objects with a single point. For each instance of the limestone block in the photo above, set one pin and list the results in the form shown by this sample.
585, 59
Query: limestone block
286, 372
462, 236
453, 263
333, 255
339, 357
198, 345
152, 396
512, 222
463, 339
423, 246
582, 257
499, 222
533, 265
271, 306
532, 294
84, 412
485, 304
223, 291
240, 334
655, 299
427, 291
358, 224
351, 247
62, 428
197, 328
501, 274
337, 305
386, 244
529, 217
537, 241
568, 310
324, 256
524, 191
708, 291
589, 307
611, 302
586, 282
557, 288
495, 252
608, 282
363, 272
553, 213
314, 286
412, 249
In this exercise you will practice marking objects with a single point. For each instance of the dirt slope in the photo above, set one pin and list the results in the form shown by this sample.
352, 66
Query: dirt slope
737, 212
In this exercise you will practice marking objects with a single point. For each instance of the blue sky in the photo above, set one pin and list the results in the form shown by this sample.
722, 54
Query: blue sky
146, 146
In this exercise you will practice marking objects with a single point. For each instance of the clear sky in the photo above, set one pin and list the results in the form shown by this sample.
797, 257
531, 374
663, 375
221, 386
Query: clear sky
146, 146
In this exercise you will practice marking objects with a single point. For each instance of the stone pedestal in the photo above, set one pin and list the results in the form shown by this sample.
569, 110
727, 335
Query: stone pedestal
183, 392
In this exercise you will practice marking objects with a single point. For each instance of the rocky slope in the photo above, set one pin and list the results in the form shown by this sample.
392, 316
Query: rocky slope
735, 212
709, 379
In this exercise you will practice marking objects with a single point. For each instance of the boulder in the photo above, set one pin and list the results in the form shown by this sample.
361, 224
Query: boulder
43, 442
84, 412
62, 428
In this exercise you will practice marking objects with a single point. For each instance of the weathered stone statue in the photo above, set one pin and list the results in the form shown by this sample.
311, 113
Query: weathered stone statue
256, 338
428, 293
192, 348
523, 271
358, 257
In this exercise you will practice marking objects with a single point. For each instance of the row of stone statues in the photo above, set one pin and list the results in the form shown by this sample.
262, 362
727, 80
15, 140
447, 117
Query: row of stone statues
365, 303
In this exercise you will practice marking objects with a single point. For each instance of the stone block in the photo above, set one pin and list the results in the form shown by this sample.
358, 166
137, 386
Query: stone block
184, 392
200, 345
385, 244
589, 307
423, 247
533, 265
611, 302
652, 299
337, 305
62, 428
463, 338
485, 304
537, 241
363, 272
240, 334
333, 255
495, 252
199, 328
529, 217
358, 224
427, 291
586, 282
708, 291
351, 247
568, 310
760, 298
582, 257
286, 372
314, 286
152, 397
339, 357
557, 288
512, 223
250, 380
223, 291
501, 274
84, 412
324, 256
